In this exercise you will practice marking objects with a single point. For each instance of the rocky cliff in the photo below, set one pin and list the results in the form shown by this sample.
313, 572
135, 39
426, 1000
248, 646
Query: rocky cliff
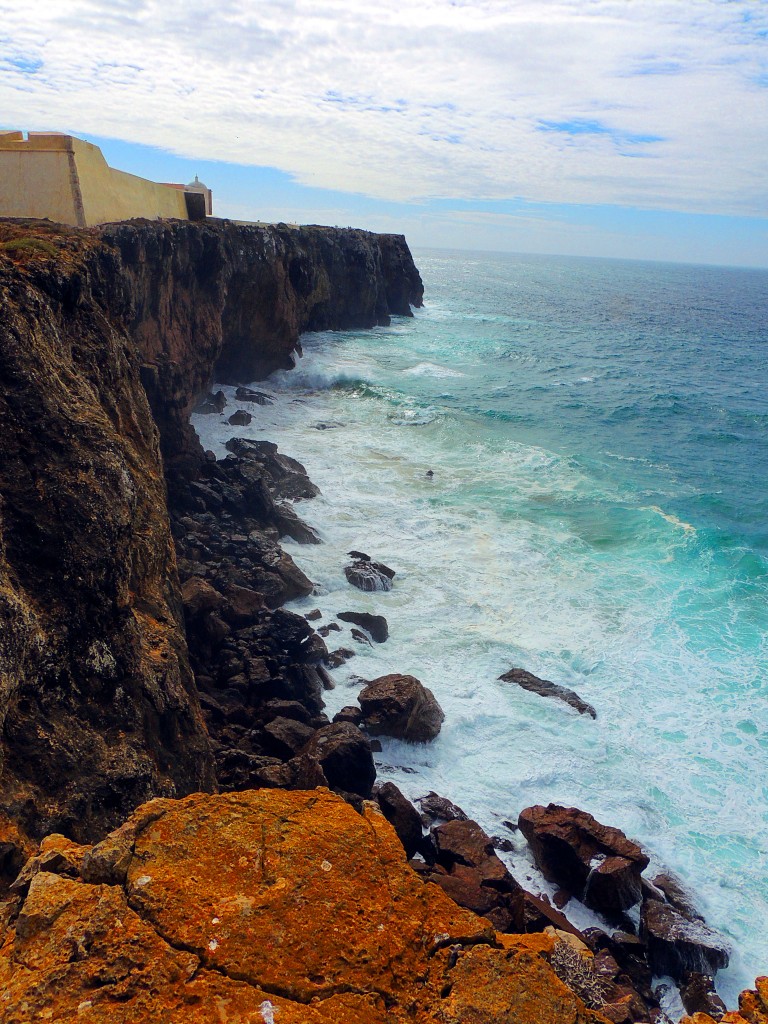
106, 339
236, 297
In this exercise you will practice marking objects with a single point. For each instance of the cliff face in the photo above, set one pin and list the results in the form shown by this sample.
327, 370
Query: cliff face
234, 298
98, 708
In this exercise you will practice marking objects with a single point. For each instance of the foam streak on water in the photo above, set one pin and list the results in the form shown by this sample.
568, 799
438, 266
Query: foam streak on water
596, 516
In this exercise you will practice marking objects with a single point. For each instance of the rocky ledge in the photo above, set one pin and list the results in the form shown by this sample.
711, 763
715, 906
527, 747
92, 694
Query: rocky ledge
248, 907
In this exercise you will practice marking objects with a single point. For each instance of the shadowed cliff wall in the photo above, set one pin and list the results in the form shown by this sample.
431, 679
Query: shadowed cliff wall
98, 709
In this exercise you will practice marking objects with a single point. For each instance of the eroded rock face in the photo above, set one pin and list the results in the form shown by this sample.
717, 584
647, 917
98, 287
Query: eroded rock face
400, 706
278, 906
100, 332
595, 862
97, 702
236, 298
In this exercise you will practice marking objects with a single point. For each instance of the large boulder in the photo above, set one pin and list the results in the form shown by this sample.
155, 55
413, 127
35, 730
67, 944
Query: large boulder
344, 754
400, 706
594, 862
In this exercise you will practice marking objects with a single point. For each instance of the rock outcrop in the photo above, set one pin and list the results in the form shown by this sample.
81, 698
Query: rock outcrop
595, 862
107, 339
261, 906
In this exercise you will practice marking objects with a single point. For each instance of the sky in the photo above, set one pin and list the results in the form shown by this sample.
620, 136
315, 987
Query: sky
622, 128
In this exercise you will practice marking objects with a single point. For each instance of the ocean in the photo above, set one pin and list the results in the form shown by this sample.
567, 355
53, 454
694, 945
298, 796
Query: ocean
597, 515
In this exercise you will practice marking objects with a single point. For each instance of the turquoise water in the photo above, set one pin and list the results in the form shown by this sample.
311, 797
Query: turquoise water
597, 515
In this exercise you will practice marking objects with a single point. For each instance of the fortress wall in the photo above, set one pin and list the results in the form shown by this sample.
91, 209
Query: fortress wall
110, 195
68, 180
37, 179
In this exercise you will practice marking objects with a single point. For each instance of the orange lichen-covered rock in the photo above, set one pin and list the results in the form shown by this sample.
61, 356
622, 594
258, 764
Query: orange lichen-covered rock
264, 907
753, 1008
512, 986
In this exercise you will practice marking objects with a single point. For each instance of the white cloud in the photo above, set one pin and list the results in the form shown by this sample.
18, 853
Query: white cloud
434, 98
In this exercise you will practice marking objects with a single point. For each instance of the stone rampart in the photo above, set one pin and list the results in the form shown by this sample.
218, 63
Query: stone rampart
68, 181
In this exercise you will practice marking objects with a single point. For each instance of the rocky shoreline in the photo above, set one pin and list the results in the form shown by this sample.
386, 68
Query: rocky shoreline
146, 653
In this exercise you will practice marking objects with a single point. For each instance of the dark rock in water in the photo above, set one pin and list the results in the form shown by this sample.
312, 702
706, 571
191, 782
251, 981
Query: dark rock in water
546, 689
596, 863
677, 944
699, 996
241, 418
503, 844
674, 893
212, 404
369, 576
286, 477
440, 808
349, 714
330, 627
376, 625
314, 615
327, 426
400, 706
291, 525
258, 397
338, 657
359, 556
344, 754
402, 816
362, 638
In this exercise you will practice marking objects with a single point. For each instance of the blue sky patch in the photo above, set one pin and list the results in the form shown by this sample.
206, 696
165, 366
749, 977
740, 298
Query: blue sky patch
24, 65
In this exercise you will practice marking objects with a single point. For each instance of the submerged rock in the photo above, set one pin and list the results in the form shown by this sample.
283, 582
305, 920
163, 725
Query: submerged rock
369, 576
257, 397
544, 688
241, 418
400, 706
376, 625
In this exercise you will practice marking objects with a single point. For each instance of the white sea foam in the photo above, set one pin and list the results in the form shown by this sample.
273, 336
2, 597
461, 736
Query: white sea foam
493, 571
432, 370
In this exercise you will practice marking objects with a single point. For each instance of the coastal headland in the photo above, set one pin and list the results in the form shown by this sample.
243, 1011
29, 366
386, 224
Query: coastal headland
183, 832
